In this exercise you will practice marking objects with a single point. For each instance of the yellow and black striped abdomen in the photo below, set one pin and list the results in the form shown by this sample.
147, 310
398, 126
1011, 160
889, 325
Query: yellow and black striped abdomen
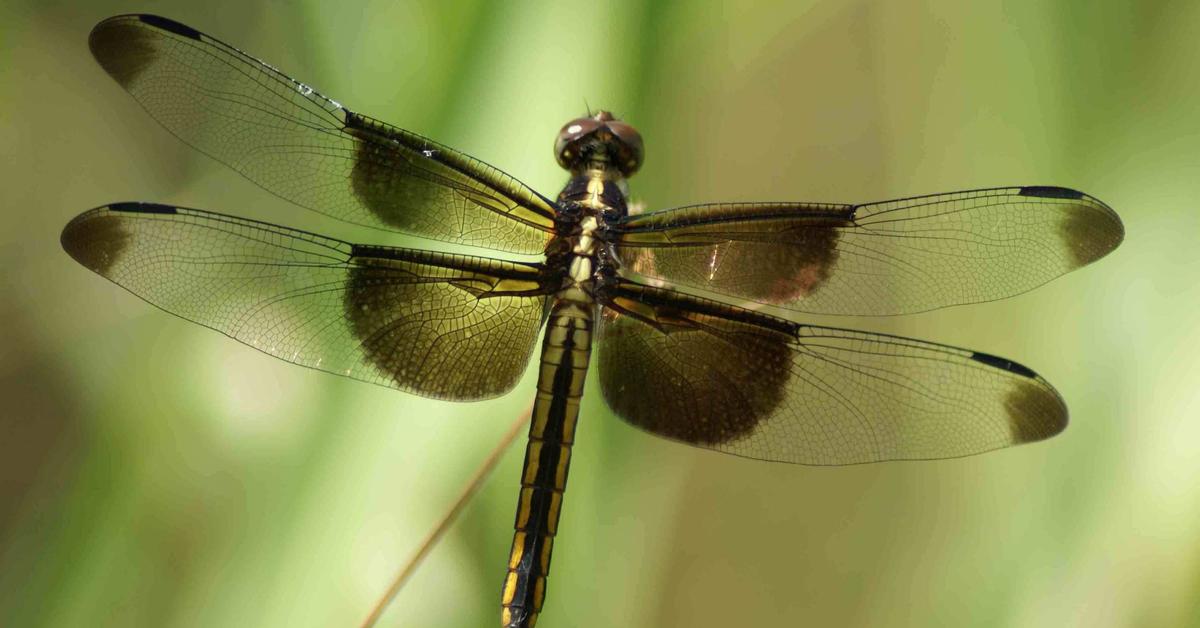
565, 353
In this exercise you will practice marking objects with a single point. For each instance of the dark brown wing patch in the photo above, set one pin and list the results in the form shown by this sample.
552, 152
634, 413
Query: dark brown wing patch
688, 376
416, 186
440, 332
769, 253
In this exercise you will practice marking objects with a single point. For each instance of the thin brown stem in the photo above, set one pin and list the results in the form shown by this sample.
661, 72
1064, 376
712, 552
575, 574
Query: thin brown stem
436, 534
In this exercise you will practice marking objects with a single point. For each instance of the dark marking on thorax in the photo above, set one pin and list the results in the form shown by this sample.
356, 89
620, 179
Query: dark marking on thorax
597, 189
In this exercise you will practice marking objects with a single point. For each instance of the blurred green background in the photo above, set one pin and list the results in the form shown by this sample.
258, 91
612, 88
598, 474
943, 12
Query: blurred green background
154, 473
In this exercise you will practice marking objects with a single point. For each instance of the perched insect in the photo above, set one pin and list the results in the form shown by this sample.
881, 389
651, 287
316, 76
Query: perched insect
673, 297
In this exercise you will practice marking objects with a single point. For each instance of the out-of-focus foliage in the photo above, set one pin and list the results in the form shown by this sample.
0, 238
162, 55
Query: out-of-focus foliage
153, 473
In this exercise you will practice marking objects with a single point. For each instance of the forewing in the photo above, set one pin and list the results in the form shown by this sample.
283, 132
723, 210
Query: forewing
746, 383
310, 150
894, 257
437, 325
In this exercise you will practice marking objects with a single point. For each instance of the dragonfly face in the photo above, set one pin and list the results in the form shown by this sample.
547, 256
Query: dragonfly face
599, 141
735, 372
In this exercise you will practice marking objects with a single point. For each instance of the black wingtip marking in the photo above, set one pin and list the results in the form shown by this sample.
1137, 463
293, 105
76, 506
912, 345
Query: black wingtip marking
1050, 191
96, 240
1003, 364
133, 207
171, 26
1034, 412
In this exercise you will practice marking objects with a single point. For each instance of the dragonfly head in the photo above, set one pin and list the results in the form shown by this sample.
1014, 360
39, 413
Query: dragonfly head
599, 140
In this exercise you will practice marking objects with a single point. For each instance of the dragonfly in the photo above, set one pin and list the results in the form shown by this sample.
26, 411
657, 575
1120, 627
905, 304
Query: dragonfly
695, 312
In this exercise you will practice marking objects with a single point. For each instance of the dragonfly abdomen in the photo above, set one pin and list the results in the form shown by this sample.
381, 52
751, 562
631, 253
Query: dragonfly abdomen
566, 350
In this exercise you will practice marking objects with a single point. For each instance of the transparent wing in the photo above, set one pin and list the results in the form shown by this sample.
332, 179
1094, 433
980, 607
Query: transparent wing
746, 383
893, 257
308, 149
437, 325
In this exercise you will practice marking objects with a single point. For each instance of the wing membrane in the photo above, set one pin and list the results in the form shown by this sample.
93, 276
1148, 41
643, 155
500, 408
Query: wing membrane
750, 384
438, 325
308, 149
893, 257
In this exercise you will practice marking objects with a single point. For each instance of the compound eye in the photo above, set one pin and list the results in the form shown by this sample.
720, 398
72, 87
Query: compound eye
577, 128
570, 133
632, 141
